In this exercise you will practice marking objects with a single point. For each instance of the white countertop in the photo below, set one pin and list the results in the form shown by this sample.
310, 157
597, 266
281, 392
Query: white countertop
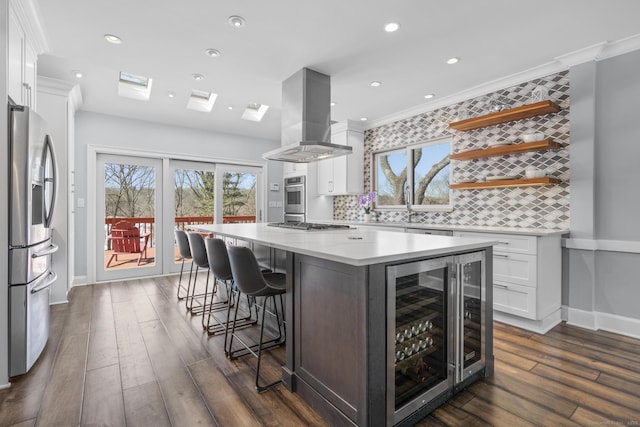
476, 228
349, 246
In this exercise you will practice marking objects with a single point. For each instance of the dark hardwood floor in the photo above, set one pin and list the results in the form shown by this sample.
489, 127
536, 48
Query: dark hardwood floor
127, 353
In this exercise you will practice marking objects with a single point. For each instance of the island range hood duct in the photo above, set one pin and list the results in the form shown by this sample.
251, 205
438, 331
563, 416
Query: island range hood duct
306, 120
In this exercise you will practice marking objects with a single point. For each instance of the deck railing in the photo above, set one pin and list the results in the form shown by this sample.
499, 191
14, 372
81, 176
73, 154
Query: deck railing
145, 224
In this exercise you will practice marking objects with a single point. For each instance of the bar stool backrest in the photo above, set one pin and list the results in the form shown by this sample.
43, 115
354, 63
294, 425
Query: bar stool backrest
218, 258
198, 251
247, 274
183, 244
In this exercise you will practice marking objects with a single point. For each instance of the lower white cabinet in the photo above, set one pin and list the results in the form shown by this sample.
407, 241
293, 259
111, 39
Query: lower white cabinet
527, 279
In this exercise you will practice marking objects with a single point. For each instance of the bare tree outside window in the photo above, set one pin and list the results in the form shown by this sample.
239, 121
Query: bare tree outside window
129, 190
428, 164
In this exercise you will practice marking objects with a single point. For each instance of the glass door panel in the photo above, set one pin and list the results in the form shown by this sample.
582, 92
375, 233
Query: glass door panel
129, 242
193, 200
241, 198
418, 335
471, 272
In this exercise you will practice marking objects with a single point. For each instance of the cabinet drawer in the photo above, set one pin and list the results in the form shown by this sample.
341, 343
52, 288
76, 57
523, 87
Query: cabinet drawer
513, 243
515, 299
515, 268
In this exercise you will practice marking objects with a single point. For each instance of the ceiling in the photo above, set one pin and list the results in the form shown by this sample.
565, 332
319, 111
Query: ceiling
166, 40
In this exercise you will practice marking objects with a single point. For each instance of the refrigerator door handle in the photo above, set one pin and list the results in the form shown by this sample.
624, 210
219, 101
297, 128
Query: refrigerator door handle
52, 278
52, 248
48, 152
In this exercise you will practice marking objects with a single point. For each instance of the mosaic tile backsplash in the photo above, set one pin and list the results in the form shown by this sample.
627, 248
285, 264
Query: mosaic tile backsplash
544, 207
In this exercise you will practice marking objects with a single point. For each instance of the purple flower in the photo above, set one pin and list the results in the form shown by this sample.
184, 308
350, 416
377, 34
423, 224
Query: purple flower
365, 201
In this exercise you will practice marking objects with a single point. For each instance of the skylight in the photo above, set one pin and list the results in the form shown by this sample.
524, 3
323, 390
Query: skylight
134, 86
201, 101
255, 112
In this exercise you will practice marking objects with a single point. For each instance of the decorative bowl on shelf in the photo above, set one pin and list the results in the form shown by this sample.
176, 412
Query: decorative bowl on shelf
498, 143
532, 172
533, 136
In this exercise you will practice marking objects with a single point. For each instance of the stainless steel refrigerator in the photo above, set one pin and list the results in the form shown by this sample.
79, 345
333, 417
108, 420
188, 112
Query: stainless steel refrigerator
32, 197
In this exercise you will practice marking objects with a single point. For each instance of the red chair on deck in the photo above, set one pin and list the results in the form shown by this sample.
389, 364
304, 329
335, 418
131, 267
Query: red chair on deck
126, 239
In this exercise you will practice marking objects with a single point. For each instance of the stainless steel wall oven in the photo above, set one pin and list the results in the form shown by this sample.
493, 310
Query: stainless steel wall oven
294, 195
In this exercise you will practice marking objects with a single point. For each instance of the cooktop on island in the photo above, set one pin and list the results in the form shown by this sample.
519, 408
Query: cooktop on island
308, 226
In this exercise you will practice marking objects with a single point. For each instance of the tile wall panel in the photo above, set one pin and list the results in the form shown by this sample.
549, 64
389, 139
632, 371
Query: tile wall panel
531, 207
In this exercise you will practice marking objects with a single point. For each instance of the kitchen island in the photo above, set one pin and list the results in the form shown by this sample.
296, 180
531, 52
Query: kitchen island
382, 327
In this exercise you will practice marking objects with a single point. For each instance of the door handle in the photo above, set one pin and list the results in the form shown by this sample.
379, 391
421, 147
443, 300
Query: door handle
49, 250
54, 180
52, 278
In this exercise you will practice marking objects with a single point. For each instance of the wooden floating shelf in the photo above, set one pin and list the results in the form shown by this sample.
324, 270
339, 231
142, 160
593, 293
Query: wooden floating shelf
505, 183
525, 147
518, 113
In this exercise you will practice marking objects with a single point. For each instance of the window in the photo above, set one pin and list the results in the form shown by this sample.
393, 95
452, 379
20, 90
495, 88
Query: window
417, 174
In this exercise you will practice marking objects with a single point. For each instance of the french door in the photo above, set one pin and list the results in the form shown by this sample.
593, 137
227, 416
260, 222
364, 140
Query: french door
129, 202
157, 196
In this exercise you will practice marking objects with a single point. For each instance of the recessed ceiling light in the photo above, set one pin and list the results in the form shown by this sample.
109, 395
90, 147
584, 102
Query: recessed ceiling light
391, 27
77, 74
453, 60
333, 104
112, 39
214, 53
236, 21
197, 77
364, 119
429, 96
230, 107
375, 84
171, 95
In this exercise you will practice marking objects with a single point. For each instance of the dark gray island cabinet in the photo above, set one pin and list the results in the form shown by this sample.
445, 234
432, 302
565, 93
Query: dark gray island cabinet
382, 327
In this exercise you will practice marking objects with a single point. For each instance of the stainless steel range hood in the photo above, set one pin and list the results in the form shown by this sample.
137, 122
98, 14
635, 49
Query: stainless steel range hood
306, 120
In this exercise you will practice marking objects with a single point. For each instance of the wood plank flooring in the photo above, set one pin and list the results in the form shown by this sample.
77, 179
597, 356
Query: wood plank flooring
128, 353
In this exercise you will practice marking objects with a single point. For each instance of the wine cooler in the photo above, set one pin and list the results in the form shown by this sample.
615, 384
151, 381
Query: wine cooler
435, 329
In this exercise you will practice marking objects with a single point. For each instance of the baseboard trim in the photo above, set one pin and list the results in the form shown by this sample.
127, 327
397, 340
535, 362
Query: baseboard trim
595, 320
5, 386
538, 326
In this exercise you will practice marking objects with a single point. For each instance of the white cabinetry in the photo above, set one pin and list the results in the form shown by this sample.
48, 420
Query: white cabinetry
22, 58
58, 103
294, 169
527, 274
344, 174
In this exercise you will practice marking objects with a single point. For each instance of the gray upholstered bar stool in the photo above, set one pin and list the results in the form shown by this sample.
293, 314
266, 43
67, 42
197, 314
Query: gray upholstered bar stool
185, 254
252, 282
221, 268
199, 256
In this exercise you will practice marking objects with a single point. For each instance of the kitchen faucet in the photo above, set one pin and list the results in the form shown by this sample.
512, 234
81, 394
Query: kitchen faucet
407, 198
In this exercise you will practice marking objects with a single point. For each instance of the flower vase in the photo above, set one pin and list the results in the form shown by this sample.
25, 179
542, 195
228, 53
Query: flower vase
367, 217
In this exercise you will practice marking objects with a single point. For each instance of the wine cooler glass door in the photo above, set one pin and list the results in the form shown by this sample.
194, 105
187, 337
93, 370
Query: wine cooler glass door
470, 307
418, 348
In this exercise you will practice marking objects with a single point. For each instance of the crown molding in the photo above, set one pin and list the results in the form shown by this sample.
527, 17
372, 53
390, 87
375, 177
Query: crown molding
29, 16
596, 52
61, 88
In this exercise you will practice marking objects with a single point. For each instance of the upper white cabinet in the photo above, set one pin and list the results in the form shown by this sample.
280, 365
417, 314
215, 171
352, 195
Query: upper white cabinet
345, 174
294, 169
25, 41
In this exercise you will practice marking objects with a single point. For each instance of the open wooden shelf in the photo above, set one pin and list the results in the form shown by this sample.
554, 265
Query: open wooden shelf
518, 113
525, 147
505, 183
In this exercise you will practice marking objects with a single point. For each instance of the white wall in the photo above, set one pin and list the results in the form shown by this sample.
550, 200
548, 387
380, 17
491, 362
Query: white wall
604, 249
110, 131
